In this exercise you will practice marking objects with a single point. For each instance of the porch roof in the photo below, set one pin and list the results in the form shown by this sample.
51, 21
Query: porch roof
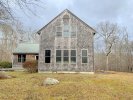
31, 48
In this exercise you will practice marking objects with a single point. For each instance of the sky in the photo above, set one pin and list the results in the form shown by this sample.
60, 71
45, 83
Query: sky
90, 11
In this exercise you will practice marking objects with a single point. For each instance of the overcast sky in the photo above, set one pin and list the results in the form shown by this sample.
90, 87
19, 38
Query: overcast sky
90, 11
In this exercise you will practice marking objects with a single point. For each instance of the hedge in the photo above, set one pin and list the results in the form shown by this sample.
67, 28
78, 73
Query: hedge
5, 64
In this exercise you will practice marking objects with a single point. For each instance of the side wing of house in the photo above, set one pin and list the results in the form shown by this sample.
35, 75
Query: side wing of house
24, 52
66, 44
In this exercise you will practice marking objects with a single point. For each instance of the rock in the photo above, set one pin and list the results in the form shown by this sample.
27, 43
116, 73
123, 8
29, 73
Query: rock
3, 75
50, 81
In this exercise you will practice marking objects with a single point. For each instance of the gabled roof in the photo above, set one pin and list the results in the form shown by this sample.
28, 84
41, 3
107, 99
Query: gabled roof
66, 10
30, 48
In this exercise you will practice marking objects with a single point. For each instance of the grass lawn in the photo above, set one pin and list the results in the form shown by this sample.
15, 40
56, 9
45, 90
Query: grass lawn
117, 86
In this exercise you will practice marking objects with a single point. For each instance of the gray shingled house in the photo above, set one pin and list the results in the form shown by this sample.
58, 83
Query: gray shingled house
66, 44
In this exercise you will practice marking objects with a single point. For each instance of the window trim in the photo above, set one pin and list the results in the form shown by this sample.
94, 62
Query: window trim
69, 31
21, 58
66, 56
84, 56
69, 56
58, 56
57, 31
72, 31
47, 56
66, 18
73, 56
69, 26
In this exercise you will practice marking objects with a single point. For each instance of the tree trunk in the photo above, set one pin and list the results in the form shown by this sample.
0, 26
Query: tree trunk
107, 62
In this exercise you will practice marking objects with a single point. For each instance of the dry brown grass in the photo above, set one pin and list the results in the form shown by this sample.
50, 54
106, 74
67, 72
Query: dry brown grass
118, 86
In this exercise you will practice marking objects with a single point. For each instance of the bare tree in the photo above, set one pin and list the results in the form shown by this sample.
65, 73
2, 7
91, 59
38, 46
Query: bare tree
6, 11
109, 32
8, 41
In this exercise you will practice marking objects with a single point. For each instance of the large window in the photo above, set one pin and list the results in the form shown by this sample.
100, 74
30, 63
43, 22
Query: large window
66, 56
66, 30
73, 56
58, 56
21, 58
58, 31
47, 56
84, 56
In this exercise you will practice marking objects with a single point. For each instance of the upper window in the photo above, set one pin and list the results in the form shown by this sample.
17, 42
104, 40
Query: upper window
47, 56
84, 56
58, 31
66, 32
66, 19
73, 31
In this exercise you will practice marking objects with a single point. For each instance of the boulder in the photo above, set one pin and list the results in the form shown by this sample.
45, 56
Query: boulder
3, 75
50, 81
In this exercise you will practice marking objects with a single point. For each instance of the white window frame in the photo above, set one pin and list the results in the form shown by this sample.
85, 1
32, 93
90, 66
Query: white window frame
69, 31
72, 31
73, 56
84, 56
57, 31
69, 56
66, 56
58, 56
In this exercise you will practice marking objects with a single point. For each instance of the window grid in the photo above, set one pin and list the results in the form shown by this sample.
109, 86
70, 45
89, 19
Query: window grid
84, 56
21, 58
73, 31
59, 31
66, 56
58, 57
47, 56
73, 57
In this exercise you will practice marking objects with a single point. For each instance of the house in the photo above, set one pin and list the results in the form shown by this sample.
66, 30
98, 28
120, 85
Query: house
66, 44
24, 52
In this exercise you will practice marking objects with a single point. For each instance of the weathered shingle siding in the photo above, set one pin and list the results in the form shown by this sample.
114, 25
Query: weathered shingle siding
48, 41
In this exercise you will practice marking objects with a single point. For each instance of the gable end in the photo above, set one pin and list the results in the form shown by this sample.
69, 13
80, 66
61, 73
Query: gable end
72, 15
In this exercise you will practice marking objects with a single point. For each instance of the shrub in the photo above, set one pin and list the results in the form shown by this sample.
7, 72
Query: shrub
5, 64
31, 66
